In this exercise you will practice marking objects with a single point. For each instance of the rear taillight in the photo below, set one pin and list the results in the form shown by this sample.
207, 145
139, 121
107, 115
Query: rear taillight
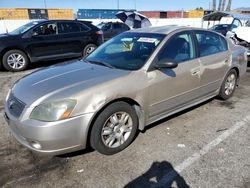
99, 32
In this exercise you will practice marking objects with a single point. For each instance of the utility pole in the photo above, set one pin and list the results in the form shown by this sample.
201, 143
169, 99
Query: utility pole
118, 4
45, 4
135, 4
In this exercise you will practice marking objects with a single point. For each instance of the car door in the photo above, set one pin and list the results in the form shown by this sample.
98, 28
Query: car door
172, 89
73, 37
44, 42
214, 58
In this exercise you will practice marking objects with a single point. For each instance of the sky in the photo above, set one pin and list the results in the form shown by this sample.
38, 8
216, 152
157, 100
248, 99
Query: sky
113, 4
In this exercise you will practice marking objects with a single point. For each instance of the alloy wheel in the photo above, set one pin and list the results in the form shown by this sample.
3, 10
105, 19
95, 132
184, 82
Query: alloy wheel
16, 61
230, 84
117, 129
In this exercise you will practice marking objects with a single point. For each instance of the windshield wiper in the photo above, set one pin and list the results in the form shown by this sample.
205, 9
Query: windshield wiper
101, 63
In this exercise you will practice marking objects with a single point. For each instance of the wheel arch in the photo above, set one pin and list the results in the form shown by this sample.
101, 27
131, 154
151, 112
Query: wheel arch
138, 109
5, 50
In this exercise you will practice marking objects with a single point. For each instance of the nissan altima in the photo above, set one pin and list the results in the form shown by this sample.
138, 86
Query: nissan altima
129, 82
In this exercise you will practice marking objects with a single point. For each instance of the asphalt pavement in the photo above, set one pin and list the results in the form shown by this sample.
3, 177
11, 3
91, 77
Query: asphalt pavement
207, 146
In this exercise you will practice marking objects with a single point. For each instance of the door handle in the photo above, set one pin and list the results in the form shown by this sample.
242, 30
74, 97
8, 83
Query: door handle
195, 72
226, 60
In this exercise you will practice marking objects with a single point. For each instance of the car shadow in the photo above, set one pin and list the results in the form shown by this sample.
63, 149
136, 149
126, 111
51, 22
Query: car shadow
160, 174
77, 153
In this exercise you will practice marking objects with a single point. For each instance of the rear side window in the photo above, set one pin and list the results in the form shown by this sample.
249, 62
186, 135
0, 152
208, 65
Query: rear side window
68, 27
117, 26
83, 28
210, 43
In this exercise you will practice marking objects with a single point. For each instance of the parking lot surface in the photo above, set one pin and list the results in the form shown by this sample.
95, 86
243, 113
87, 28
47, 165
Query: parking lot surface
205, 146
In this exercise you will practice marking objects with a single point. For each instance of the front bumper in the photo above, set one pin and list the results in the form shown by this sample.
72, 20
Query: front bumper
51, 138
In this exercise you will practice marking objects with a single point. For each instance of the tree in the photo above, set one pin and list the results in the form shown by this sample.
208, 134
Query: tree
214, 5
220, 5
229, 5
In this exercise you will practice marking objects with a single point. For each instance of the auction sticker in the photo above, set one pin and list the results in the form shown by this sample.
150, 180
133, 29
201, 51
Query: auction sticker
148, 40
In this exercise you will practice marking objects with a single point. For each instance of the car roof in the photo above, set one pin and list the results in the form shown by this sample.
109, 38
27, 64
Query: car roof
164, 29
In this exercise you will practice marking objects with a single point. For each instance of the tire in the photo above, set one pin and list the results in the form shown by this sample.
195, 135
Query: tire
88, 49
108, 137
228, 85
15, 60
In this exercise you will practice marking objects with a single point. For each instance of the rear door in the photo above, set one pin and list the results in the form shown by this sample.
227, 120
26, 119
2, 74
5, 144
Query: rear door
172, 89
214, 60
74, 37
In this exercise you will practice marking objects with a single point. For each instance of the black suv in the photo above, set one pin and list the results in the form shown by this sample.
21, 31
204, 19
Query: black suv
48, 40
111, 29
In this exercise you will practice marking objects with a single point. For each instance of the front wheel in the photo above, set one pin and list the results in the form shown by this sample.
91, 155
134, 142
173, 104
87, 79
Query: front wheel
88, 49
15, 60
114, 128
229, 85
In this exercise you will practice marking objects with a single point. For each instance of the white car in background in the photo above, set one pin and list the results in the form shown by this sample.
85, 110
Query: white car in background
240, 36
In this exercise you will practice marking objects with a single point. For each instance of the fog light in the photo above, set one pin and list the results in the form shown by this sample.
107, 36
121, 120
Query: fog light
35, 145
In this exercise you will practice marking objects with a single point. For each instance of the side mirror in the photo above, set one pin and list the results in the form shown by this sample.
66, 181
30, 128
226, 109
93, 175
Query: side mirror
168, 64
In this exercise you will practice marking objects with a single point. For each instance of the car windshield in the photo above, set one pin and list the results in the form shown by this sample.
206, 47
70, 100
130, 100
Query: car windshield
23, 28
127, 51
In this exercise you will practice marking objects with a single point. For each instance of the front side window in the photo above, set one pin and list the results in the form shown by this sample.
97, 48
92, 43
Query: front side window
179, 48
210, 43
128, 51
46, 29
68, 27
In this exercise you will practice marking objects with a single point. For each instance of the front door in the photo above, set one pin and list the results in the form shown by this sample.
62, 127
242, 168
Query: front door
44, 42
171, 89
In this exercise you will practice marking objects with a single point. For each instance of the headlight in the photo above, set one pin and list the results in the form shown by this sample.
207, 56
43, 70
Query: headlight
53, 111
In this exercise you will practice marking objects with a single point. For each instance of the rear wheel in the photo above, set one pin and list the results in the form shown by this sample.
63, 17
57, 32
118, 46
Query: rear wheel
114, 128
89, 49
15, 60
229, 84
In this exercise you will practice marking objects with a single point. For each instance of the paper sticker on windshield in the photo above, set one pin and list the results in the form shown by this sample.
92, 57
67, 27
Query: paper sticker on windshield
148, 40
127, 40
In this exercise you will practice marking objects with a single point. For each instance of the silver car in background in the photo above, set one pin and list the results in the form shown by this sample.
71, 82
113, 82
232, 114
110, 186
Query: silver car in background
131, 81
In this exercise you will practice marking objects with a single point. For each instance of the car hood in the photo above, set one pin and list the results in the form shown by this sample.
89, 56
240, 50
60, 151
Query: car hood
8, 37
53, 80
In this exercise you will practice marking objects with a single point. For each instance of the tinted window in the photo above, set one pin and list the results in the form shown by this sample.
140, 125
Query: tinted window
210, 43
83, 27
68, 27
117, 26
179, 48
46, 29
128, 51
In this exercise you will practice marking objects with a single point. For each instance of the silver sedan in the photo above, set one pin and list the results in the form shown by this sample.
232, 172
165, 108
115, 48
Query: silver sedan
131, 81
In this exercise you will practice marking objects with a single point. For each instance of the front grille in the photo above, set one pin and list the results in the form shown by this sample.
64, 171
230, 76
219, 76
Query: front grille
15, 106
